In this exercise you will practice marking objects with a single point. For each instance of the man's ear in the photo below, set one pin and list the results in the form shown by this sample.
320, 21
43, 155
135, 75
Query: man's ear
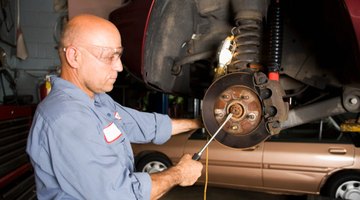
72, 56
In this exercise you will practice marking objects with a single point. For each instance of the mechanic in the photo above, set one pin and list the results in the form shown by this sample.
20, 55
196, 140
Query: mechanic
79, 142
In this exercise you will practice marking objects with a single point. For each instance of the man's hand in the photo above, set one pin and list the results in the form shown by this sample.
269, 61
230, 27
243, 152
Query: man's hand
185, 173
190, 170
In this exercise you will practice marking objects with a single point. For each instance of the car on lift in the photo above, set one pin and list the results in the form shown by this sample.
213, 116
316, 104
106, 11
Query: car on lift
273, 64
314, 158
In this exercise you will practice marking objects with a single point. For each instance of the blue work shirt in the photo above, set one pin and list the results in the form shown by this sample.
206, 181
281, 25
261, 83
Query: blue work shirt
80, 147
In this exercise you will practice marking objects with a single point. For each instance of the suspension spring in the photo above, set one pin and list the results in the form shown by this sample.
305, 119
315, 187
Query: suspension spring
247, 42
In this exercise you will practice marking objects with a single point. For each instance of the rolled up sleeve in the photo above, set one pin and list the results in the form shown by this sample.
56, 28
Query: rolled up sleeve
142, 187
142, 127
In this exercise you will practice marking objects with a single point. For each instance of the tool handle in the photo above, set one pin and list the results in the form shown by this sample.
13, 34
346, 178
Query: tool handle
196, 156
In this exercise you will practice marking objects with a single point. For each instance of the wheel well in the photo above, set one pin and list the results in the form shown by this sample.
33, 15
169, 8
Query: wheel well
335, 176
146, 153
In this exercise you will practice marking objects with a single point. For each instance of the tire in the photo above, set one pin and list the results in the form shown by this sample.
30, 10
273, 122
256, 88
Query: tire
153, 162
344, 186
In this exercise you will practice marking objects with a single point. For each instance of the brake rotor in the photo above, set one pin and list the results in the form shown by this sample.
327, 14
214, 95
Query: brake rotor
234, 93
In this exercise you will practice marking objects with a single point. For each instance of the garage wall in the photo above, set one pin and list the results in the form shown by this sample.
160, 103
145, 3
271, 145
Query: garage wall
40, 23
37, 20
92, 6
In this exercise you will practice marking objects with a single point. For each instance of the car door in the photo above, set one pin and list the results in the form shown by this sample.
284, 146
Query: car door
228, 166
299, 158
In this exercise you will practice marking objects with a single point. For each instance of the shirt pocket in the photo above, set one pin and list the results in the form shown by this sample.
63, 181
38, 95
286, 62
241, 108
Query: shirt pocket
122, 149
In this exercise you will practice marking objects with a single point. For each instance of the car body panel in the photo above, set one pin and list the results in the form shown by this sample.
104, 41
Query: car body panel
132, 21
173, 153
354, 12
303, 166
226, 163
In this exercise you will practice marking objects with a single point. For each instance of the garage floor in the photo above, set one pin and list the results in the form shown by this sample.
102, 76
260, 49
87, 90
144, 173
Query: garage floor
214, 193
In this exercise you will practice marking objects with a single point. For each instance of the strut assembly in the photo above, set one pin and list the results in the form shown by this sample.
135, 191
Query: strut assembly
240, 86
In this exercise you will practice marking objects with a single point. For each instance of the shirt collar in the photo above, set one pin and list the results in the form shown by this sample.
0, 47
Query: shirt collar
59, 84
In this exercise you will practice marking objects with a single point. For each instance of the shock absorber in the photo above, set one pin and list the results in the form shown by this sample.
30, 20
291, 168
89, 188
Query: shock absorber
275, 40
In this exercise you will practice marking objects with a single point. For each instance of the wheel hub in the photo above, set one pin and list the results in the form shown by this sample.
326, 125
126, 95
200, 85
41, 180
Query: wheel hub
235, 93
153, 167
349, 190
245, 106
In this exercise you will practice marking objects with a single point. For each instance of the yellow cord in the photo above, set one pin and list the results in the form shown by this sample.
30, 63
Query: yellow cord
206, 172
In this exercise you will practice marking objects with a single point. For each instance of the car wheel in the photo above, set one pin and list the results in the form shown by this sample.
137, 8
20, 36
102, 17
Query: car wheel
346, 186
153, 162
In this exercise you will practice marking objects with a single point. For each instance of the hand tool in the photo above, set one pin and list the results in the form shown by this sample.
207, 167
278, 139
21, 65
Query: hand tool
197, 156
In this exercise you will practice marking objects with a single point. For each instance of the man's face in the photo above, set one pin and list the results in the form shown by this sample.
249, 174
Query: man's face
102, 64
92, 49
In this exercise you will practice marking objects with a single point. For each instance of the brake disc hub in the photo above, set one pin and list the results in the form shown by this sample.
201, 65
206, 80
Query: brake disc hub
245, 106
235, 93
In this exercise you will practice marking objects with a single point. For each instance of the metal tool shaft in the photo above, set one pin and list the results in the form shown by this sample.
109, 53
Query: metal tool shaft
197, 156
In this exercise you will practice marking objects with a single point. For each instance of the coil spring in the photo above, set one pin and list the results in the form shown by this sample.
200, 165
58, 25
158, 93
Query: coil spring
275, 37
247, 44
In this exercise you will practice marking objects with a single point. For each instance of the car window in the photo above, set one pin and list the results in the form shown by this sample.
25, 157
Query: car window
326, 130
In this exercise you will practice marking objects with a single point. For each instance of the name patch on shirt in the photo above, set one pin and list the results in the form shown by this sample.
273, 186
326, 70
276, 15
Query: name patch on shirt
111, 133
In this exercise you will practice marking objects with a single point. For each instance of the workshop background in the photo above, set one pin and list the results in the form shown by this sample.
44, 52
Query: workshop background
41, 22
30, 31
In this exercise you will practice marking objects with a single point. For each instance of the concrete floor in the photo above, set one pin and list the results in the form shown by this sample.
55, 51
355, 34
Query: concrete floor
214, 193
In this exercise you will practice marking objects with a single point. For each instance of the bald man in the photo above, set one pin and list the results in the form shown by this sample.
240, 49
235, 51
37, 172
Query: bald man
79, 142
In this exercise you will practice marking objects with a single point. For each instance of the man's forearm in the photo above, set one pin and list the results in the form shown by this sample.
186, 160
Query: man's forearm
185, 173
162, 182
184, 125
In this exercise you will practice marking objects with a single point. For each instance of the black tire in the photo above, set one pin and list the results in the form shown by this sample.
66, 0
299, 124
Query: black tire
344, 186
153, 162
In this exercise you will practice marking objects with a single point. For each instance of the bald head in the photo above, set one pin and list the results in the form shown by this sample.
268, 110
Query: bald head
90, 50
90, 29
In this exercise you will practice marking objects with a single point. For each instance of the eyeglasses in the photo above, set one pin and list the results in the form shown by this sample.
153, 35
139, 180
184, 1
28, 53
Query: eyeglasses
106, 55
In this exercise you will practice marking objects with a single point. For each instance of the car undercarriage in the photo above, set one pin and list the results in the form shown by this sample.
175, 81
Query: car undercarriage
273, 64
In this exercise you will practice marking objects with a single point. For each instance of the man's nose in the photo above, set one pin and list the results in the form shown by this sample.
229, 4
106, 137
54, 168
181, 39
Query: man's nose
118, 66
